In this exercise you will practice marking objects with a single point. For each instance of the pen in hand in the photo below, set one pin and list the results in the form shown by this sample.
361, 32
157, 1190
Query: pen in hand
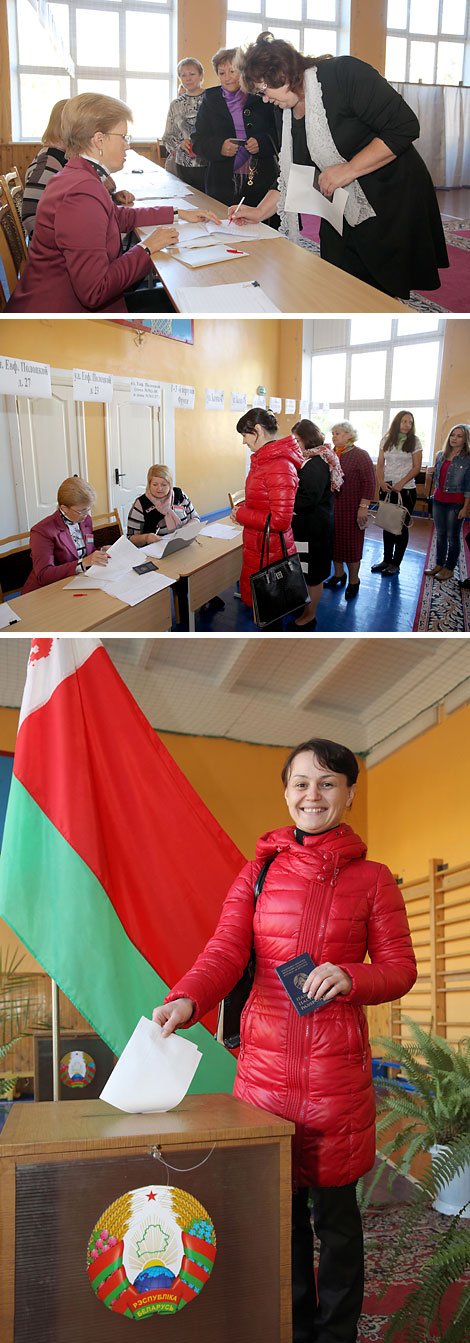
237, 209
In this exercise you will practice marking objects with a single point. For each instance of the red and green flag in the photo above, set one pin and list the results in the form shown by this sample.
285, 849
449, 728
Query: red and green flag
113, 871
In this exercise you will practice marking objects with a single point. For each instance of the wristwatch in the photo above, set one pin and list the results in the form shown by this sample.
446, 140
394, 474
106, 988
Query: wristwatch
175, 216
146, 249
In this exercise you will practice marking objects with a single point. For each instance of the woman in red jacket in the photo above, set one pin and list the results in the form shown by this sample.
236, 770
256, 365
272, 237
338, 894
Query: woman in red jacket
271, 487
321, 897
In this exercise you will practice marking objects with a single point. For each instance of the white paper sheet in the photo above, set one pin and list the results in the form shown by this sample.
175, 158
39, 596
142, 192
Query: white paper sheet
222, 530
7, 616
205, 256
153, 1073
303, 198
244, 297
122, 556
244, 232
133, 588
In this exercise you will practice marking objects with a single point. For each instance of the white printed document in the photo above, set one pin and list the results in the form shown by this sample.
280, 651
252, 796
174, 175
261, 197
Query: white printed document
304, 198
206, 256
122, 555
133, 588
245, 297
153, 1073
224, 531
7, 616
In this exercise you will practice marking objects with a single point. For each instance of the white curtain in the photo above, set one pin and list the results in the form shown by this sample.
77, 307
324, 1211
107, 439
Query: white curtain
443, 112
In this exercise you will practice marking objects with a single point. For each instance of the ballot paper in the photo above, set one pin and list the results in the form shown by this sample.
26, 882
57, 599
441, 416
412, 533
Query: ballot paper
7, 616
245, 297
145, 185
222, 530
174, 541
304, 198
206, 256
153, 1073
133, 588
243, 232
122, 555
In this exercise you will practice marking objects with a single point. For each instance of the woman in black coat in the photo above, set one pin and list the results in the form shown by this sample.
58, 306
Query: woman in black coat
313, 519
248, 168
340, 115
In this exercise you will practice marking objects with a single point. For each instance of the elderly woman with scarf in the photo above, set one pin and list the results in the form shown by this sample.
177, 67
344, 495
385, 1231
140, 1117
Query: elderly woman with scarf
351, 507
312, 523
342, 117
237, 135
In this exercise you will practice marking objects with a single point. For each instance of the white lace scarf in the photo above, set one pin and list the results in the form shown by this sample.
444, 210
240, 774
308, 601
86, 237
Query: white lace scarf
324, 154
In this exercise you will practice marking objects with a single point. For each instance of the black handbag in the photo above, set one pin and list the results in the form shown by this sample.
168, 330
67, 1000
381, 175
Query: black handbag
230, 1010
277, 589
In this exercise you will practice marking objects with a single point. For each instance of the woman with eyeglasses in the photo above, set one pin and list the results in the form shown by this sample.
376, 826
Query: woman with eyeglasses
340, 116
62, 544
76, 262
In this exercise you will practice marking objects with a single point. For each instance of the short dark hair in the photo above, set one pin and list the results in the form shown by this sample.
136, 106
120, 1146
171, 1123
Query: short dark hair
309, 432
223, 54
274, 62
339, 759
257, 415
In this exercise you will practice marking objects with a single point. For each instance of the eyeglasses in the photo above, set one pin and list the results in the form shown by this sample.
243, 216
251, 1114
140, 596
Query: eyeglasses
126, 138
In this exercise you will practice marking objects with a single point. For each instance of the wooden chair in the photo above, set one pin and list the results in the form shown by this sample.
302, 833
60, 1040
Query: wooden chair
424, 484
107, 528
15, 564
9, 250
11, 194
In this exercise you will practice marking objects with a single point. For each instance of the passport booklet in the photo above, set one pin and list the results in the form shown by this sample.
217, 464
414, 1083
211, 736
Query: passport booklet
292, 976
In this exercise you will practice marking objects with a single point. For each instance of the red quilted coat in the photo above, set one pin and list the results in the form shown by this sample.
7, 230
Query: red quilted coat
271, 486
324, 898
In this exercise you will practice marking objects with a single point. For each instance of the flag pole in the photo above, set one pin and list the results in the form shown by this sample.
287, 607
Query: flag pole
55, 1040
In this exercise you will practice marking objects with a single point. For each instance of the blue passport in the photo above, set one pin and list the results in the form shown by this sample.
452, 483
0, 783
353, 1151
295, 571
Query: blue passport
292, 976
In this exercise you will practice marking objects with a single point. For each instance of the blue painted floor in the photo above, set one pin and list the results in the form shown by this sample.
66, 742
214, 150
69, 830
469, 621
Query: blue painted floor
383, 605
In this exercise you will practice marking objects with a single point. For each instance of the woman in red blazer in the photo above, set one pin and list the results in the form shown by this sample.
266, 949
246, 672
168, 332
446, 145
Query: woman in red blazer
76, 262
62, 544
271, 487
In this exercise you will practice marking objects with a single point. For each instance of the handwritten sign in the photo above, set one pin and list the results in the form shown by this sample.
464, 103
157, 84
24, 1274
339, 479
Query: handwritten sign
304, 410
91, 386
290, 406
260, 401
275, 404
238, 402
182, 397
20, 377
145, 392
214, 399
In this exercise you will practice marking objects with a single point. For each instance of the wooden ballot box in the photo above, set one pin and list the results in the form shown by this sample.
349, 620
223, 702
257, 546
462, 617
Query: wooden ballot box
106, 1216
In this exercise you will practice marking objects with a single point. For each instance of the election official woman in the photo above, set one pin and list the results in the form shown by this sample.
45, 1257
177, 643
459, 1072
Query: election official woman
321, 897
62, 544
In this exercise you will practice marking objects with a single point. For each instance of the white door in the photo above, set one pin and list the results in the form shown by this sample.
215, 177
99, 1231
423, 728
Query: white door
11, 518
51, 446
133, 443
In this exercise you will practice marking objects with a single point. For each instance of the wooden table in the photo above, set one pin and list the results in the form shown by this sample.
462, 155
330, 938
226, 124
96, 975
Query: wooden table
63, 1166
292, 277
65, 610
210, 565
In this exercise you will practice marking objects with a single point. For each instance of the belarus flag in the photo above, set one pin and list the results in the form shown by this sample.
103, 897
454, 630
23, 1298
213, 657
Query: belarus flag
112, 871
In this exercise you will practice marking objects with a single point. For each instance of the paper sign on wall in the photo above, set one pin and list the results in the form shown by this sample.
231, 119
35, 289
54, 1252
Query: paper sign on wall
19, 377
91, 386
290, 406
259, 401
304, 409
238, 402
182, 397
145, 392
275, 404
214, 399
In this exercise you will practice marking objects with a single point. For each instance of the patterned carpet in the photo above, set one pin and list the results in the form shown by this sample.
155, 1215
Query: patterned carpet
454, 293
443, 607
382, 1227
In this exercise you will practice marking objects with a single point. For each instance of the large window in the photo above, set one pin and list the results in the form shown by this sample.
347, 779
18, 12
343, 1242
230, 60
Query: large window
315, 27
379, 365
428, 41
120, 47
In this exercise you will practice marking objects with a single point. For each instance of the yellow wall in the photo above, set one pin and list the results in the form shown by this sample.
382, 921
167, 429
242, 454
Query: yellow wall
201, 39
368, 31
454, 394
233, 355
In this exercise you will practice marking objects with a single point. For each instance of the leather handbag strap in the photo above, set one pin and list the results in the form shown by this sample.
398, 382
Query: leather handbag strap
260, 880
266, 538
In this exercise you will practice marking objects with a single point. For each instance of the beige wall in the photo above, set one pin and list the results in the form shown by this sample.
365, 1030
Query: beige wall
368, 31
454, 397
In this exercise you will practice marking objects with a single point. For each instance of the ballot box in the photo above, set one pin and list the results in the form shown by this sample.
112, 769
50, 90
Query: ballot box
107, 1217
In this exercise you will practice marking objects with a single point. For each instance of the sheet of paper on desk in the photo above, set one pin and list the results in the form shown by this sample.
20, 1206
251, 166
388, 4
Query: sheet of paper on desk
7, 616
223, 530
303, 198
122, 555
153, 1074
244, 297
133, 588
205, 256
242, 232
143, 185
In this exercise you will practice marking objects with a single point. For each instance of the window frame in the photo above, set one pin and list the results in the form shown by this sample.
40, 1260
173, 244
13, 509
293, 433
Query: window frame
440, 36
261, 11
388, 405
118, 74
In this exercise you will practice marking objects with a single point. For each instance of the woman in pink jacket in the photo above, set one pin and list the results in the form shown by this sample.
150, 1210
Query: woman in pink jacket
62, 544
320, 897
271, 487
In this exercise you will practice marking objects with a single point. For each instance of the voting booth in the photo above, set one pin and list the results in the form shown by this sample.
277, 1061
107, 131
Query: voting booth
107, 1217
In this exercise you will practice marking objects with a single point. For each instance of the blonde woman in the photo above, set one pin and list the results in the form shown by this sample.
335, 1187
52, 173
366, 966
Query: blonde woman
451, 500
181, 124
49, 161
62, 544
76, 262
163, 508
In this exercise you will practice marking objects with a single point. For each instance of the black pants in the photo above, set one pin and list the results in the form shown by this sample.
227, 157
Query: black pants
395, 546
340, 1281
194, 177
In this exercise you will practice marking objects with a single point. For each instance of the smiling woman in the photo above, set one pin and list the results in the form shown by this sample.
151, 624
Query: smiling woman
322, 899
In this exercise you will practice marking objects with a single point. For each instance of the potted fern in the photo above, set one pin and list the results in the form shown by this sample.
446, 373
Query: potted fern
436, 1112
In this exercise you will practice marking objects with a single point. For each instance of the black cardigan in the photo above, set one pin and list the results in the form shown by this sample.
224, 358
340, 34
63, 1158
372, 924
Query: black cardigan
215, 124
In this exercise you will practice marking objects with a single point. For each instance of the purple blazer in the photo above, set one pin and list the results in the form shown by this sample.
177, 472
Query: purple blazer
53, 553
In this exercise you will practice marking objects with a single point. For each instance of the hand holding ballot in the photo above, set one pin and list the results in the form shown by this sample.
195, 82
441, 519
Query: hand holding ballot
170, 1016
152, 1075
96, 557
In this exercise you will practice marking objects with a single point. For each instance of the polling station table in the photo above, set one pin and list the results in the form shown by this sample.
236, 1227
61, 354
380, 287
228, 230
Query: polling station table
292, 277
59, 608
210, 564
64, 1169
